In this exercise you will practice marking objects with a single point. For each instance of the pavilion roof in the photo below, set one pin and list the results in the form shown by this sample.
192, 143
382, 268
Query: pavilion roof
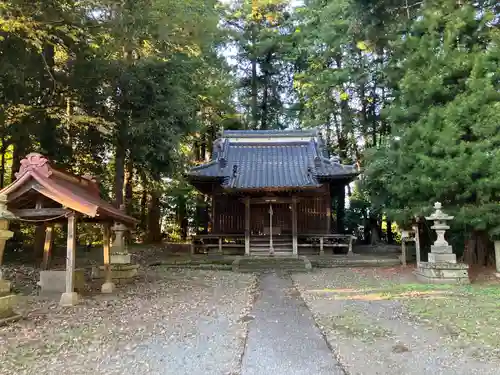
77, 193
253, 159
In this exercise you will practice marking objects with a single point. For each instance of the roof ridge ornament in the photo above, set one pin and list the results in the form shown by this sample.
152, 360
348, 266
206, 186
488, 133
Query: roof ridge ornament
34, 161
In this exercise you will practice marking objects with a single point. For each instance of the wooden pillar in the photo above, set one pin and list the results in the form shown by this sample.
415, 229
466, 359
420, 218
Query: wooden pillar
70, 298
295, 247
247, 226
340, 208
321, 246
220, 245
108, 285
47, 246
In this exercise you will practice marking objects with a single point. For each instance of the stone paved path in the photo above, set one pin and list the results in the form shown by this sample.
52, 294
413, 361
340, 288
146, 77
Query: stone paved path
283, 338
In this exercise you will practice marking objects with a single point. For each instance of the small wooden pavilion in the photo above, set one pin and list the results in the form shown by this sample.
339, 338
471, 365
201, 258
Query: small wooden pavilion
273, 192
44, 194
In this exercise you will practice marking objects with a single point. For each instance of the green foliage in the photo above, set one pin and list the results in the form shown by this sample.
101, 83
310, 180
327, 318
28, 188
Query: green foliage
259, 33
445, 142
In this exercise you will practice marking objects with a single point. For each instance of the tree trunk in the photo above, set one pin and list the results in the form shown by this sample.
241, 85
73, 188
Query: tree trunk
154, 215
254, 102
203, 148
38, 241
340, 209
182, 217
129, 193
390, 235
120, 152
17, 156
2, 164
264, 118
478, 249
144, 204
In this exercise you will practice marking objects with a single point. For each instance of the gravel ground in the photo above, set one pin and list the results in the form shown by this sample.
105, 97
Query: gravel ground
283, 338
375, 335
170, 322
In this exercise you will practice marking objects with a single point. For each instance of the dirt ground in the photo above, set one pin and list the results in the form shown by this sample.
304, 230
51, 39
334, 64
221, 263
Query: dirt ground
168, 322
381, 321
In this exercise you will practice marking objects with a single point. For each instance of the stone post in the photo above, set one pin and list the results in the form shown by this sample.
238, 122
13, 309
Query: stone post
497, 257
6, 298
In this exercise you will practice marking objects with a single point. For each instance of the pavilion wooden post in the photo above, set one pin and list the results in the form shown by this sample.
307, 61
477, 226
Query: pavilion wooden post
47, 246
295, 248
247, 226
108, 285
70, 297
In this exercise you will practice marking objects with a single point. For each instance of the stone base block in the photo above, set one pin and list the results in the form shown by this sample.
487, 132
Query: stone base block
7, 313
119, 272
107, 288
4, 287
443, 273
442, 258
120, 259
257, 264
69, 299
55, 281
441, 249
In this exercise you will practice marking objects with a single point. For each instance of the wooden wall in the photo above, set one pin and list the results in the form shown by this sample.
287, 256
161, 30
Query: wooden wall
228, 214
313, 214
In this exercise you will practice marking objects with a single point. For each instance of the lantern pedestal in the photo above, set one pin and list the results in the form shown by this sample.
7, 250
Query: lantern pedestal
442, 266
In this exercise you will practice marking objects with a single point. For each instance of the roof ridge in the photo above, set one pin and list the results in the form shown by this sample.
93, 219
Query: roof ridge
272, 132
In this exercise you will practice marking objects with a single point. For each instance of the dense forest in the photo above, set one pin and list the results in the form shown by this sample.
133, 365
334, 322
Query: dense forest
135, 92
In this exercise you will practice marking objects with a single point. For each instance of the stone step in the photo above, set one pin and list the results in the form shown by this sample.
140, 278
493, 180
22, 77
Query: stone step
277, 247
266, 250
284, 240
286, 263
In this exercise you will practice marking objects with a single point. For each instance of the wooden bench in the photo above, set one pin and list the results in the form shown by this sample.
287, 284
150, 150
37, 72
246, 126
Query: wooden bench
204, 241
332, 240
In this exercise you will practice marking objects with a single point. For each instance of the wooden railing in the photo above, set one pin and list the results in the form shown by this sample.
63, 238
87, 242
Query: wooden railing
327, 240
220, 241
207, 241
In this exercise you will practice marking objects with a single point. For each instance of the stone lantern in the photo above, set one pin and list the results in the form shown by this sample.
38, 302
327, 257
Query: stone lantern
442, 266
6, 298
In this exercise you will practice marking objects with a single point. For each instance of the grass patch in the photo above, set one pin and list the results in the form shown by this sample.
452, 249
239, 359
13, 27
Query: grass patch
351, 324
467, 314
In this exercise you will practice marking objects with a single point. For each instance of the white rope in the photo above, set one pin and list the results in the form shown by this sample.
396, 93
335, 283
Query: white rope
44, 220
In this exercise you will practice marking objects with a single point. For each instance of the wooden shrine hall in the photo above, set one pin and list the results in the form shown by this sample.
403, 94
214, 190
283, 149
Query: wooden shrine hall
43, 194
273, 192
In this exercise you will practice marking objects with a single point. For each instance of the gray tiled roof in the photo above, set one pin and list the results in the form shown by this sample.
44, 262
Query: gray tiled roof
284, 164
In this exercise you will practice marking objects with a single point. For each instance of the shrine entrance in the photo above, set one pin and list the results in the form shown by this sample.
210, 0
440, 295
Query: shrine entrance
271, 226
